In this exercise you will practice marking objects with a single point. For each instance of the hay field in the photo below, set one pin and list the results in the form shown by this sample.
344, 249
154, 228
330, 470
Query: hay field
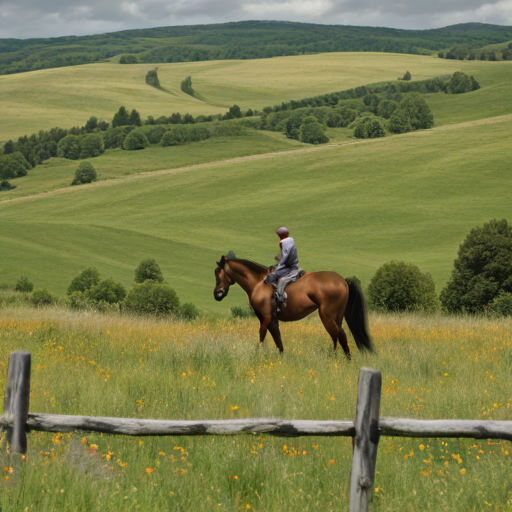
433, 367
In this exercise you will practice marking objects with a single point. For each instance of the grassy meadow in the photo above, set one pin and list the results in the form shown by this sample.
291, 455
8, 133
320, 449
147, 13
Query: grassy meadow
352, 207
91, 364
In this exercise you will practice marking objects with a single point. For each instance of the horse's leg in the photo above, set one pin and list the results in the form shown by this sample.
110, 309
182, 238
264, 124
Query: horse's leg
264, 324
273, 327
330, 326
344, 342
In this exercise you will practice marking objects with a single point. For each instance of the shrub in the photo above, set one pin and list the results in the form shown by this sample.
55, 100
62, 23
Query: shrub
501, 305
196, 133
312, 132
135, 140
152, 297
114, 137
412, 113
128, 59
401, 286
368, 128
460, 83
242, 312
155, 133
186, 86
106, 291
482, 269
148, 269
228, 130
235, 111
84, 174
175, 136
407, 76
69, 147
13, 165
42, 297
188, 311
91, 146
24, 285
84, 281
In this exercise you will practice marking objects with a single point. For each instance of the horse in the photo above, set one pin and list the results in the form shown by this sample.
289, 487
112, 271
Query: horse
331, 294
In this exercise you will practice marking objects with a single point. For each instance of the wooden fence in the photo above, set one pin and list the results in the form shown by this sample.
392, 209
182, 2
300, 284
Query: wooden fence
365, 430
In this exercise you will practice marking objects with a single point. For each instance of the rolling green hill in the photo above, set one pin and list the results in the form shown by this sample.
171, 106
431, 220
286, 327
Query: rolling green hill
67, 97
241, 40
351, 206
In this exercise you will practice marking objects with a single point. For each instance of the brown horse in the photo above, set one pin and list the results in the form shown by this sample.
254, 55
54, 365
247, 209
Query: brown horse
326, 291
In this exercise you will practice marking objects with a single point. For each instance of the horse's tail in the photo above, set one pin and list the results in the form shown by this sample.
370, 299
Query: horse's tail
357, 319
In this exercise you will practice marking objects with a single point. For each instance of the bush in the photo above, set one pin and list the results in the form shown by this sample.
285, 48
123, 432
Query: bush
312, 132
412, 113
84, 281
152, 297
135, 140
368, 128
106, 291
228, 130
114, 137
148, 269
242, 312
188, 311
175, 136
460, 83
13, 165
407, 76
91, 146
401, 286
482, 269
84, 174
42, 297
24, 285
155, 133
69, 147
501, 305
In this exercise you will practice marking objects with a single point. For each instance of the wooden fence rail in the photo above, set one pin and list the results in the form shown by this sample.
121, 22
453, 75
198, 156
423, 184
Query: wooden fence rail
365, 430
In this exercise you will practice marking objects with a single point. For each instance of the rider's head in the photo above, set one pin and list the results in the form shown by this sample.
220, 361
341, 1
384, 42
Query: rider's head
282, 232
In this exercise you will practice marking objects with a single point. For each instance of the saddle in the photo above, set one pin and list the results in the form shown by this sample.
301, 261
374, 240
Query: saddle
279, 296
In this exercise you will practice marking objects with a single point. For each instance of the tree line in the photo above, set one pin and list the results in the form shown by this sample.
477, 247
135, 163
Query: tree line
240, 40
150, 294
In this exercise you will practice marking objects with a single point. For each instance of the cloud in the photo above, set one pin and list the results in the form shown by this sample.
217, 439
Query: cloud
51, 18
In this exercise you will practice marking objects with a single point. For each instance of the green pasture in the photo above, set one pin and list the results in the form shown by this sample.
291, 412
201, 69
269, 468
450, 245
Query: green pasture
351, 207
103, 365
67, 97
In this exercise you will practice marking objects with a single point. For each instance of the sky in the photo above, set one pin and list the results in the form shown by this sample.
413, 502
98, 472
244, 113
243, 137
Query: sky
52, 18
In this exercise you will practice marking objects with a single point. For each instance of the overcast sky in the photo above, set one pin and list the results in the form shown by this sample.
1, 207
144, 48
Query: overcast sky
51, 18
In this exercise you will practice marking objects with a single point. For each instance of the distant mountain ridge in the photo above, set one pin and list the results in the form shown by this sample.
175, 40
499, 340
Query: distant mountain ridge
238, 40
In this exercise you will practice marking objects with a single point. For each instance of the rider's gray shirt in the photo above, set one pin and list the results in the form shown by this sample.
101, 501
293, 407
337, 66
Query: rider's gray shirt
290, 259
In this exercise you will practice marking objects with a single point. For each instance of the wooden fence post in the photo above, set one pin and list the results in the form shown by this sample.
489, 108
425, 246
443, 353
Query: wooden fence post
16, 398
366, 440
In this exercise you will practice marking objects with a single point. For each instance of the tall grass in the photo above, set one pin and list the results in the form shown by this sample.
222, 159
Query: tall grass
110, 365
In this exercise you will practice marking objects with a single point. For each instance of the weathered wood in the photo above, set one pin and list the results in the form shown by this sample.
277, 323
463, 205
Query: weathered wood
476, 429
16, 400
366, 440
142, 427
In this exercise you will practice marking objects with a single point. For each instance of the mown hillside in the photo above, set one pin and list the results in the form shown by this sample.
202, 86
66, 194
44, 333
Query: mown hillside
241, 40
351, 205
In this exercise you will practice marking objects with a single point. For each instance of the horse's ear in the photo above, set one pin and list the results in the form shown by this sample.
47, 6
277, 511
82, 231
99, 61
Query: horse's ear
218, 263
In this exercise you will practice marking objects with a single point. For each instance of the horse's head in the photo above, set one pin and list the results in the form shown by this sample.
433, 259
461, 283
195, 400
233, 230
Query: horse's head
223, 281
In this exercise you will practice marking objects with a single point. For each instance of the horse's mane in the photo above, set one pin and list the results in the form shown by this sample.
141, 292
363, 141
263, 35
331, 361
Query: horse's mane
251, 265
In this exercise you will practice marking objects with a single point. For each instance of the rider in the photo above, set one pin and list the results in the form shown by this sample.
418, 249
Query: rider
289, 261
